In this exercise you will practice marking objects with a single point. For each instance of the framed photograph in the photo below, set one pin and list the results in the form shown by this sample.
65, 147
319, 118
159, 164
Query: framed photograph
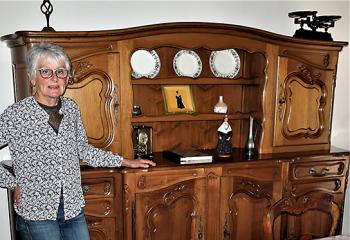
142, 141
178, 99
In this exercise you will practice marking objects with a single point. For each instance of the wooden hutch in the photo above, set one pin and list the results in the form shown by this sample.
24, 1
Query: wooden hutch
286, 84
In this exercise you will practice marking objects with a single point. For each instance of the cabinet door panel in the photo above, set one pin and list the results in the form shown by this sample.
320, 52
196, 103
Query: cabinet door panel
175, 212
303, 101
95, 89
245, 200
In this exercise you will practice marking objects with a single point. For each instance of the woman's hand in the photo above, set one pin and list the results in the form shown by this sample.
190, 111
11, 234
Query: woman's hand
16, 193
138, 163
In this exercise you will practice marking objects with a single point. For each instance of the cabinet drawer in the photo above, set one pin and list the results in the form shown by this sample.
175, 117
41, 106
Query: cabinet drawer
330, 185
317, 170
98, 187
155, 180
99, 207
102, 228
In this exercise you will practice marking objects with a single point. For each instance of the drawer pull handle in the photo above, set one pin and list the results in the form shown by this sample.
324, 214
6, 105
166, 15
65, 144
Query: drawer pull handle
322, 173
85, 189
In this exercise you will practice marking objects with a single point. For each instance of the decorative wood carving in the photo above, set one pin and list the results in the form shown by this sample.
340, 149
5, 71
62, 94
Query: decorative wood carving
127, 198
81, 68
319, 63
212, 176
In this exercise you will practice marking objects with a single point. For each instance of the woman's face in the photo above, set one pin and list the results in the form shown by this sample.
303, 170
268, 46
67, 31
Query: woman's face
48, 90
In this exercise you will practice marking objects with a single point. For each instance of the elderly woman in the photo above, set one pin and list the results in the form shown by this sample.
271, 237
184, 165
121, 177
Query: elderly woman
46, 139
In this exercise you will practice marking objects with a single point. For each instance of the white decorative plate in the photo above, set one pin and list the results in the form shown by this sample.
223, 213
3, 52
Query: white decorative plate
187, 63
224, 63
145, 63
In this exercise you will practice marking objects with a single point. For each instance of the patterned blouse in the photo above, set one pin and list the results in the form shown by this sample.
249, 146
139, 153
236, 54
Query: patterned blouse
46, 163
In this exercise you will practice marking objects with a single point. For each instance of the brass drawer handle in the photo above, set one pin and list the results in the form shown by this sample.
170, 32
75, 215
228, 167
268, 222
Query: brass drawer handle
322, 173
85, 189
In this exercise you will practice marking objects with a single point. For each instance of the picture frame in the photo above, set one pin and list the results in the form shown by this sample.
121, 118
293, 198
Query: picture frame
142, 141
178, 99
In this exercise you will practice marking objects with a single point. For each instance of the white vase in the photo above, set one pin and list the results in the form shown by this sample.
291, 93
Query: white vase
220, 106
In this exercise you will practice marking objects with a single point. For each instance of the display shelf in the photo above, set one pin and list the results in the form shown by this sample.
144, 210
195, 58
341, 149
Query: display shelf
188, 117
198, 81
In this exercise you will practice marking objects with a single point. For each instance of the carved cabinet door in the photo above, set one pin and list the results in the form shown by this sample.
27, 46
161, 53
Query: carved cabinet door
304, 97
171, 206
246, 196
94, 88
317, 191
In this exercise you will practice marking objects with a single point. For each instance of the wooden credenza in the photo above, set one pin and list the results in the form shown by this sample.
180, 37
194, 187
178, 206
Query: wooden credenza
228, 199
286, 84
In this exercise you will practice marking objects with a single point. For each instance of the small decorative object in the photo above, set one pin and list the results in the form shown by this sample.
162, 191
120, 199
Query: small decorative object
187, 63
224, 63
136, 110
145, 63
220, 106
224, 145
249, 147
142, 141
178, 99
314, 22
47, 8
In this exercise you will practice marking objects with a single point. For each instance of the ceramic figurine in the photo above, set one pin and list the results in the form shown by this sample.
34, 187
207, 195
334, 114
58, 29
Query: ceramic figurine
224, 145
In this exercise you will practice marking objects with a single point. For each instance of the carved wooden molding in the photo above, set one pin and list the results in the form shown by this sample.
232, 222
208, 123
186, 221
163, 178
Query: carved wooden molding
297, 56
92, 52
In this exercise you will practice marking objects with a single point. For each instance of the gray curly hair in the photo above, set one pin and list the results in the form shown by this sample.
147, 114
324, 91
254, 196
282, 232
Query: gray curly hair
46, 50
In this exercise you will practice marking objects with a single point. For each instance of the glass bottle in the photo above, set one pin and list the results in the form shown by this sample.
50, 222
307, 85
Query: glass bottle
220, 106
249, 147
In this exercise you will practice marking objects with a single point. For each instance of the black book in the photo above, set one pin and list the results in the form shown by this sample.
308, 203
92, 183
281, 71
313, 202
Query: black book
188, 156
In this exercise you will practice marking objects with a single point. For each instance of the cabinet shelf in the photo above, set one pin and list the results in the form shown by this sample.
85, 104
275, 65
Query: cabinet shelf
188, 117
199, 81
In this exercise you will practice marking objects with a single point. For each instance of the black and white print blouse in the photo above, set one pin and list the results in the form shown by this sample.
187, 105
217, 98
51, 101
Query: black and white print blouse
46, 163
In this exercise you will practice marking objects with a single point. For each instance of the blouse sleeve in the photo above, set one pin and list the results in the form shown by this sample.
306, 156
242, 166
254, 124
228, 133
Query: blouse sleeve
93, 156
7, 180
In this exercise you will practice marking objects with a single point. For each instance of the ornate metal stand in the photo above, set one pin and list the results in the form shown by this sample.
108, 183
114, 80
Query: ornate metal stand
47, 8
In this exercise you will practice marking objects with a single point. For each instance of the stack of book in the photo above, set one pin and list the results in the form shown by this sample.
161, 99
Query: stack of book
188, 156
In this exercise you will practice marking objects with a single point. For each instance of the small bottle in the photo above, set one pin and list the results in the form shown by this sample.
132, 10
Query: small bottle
220, 106
249, 147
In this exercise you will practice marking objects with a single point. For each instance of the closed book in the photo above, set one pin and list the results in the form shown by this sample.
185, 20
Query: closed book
188, 156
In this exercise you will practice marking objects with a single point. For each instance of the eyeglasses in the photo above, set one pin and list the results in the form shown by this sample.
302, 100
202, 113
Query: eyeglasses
46, 73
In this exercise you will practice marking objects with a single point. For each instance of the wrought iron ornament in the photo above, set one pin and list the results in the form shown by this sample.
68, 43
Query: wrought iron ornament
47, 8
314, 22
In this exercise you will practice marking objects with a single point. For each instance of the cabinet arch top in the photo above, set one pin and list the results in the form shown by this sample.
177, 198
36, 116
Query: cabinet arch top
20, 38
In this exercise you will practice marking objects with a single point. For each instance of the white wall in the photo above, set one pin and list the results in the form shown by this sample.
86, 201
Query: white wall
97, 15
